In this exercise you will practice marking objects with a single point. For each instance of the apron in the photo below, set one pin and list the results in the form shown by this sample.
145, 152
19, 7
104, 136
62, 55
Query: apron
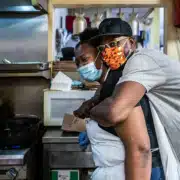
108, 153
169, 160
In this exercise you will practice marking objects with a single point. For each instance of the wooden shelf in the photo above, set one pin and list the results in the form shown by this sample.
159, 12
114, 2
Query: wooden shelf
44, 74
66, 66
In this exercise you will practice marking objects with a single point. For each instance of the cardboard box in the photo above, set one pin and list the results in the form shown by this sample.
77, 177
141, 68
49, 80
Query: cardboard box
73, 123
65, 175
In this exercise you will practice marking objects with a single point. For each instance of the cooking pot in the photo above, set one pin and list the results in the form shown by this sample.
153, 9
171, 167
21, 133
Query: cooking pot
21, 130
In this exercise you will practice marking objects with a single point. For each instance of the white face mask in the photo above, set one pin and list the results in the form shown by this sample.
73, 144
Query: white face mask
89, 72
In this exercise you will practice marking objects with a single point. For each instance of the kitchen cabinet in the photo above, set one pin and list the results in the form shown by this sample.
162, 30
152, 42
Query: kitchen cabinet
19, 164
65, 67
62, 151
57, 103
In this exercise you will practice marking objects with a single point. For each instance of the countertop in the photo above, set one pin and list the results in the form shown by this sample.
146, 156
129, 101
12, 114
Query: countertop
58, 136
14, 157
62, 151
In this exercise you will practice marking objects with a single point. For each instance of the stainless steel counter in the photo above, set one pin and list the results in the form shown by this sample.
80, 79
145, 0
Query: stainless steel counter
13, 157
58, 136
62, 151
19, 164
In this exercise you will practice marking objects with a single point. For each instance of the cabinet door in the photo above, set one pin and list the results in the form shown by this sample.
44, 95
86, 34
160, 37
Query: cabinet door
61, 106
57, 103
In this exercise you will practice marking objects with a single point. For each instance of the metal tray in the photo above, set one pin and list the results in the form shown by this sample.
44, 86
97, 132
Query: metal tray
34, 67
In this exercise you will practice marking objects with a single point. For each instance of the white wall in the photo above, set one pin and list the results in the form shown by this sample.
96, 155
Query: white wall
161, 14
154, 29
60, 12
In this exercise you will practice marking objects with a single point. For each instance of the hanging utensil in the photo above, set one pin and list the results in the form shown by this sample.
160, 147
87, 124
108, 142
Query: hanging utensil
134, 22
79, 23
6, 61
108, 13
146, 20
97, 20
120, 14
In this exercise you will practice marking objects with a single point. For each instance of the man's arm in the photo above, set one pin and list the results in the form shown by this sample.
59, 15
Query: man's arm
84, 109
97, 93
133, 133
141, 74
117, 108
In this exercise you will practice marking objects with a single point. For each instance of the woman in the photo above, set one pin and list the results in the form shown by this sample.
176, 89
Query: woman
105, 139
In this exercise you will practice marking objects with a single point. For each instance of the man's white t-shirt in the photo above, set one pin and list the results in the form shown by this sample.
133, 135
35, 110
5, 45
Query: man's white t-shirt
160, 75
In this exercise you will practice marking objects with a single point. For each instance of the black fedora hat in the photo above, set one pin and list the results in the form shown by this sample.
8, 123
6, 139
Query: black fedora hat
113, 27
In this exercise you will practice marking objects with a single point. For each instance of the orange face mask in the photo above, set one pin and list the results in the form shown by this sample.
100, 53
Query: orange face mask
114, 56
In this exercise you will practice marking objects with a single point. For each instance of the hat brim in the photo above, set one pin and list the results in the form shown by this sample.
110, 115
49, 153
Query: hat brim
108, 34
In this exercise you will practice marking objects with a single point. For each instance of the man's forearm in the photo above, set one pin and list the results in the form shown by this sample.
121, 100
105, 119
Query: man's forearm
134, 135
96, 95
109, 112
116, 108
138, 165
101, 111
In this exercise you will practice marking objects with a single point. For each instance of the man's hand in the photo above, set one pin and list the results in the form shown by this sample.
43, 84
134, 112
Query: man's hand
84, 110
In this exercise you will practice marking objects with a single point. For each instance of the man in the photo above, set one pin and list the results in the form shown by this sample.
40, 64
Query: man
147, 72
85, 54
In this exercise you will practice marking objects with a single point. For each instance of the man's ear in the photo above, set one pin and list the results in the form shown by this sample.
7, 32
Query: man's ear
132, 44
127, 47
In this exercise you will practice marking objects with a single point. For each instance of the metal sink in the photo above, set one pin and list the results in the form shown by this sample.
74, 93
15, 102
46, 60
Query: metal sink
58, 136
61, 150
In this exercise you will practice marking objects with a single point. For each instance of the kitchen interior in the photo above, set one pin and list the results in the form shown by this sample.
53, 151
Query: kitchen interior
146, 22
59, 146
38, 140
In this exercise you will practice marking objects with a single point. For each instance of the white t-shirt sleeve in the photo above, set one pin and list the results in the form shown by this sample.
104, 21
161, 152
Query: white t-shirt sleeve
144, 70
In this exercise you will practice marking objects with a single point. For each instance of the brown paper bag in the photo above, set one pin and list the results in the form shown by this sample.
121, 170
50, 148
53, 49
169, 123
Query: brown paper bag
73, 123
